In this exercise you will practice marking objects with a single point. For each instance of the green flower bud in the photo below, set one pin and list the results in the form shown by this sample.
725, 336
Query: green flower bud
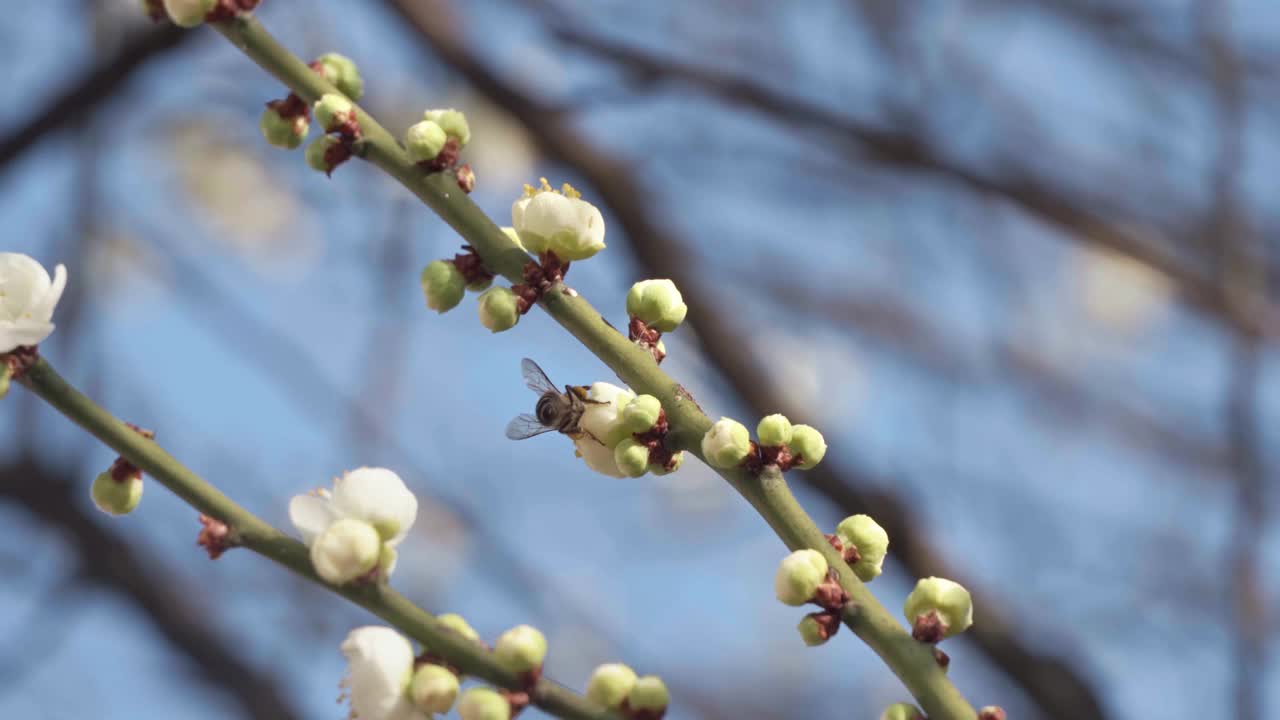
610, 684
442, 285
631, 457
346, 550
458, 624
813, 632
774, 430
433, 689
117, 497
317, 153
799, 575
332, 111
188, 13
498, 309
938, 608
521, 649
453, 122
657, 303
649, 693
902, 711
677, 461
726, 444
482, 703
424, 141
807, 444
872, 542
282, 132
641, 414
340, 71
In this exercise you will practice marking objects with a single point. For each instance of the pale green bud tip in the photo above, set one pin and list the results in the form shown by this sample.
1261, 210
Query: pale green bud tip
658, 303
726, 444
677, 459
812, 632
458, 624
116, 497
433, 689
902, 711
648, 693
610, 684
188, 13
641, 414
442, 285
631, 457
774, 430
949, 600
282, 132
499, 310
453, 122
481, 703
342, 72
318, 150
521, 649
424, 141
871, 541
808, 445
332, 110
346, 550
799, 575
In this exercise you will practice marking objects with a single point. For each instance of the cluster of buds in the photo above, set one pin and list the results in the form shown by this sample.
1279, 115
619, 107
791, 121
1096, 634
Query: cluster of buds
340, 122
728, 445
435, 142
655, 307
617, 687
445, 281
804, 577
119, 490
285, 123
192, 13
624, 435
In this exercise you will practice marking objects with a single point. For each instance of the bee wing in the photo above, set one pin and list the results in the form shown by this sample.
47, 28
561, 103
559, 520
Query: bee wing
525, 426
535, 379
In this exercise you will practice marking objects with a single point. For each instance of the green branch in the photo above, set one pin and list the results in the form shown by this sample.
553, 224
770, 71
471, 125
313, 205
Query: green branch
768, 493
252, 532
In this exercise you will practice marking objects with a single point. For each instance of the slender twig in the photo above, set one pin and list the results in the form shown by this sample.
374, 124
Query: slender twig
253, 533
913, 662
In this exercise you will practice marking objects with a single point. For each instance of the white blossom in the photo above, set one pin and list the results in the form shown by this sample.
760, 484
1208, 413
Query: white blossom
600, 423
379, 669
559, 221
368, 508
27, 299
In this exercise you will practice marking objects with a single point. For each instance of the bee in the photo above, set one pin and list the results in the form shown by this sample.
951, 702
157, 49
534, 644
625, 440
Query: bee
555, 410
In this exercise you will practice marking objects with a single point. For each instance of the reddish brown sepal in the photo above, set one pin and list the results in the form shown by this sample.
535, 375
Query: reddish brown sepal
517, 699
20, 360
929, 628
290, 107
943, 659
227, 9
471, 266
829, 595
828, 623
466, 178
641, 714
335, 155
646, 337
991, 712
215, 537
447, 158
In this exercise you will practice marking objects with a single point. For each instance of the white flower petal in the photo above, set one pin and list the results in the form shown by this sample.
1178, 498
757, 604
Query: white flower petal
27, 299
42, 307
597, 456
15, 335
346, 550
601, 416
378, 497
380, 666
311, 514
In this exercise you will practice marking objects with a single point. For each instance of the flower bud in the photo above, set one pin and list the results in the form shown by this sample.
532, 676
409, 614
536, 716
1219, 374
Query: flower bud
117, 497
318, 153
610, 684
458, 624
342, 73
346, 550
807, 445
677, 459
726, 444
283, 132
871, 541
631, 457
902, 711
443, 285
799, 575
558, 221
188, 13
774, 430
657, 303
938, 608
520, 649
433, 688
641, 414
453, 122
649, 694
424, 141
498, 309
482, 703
813, 632
332, 111
991, 712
